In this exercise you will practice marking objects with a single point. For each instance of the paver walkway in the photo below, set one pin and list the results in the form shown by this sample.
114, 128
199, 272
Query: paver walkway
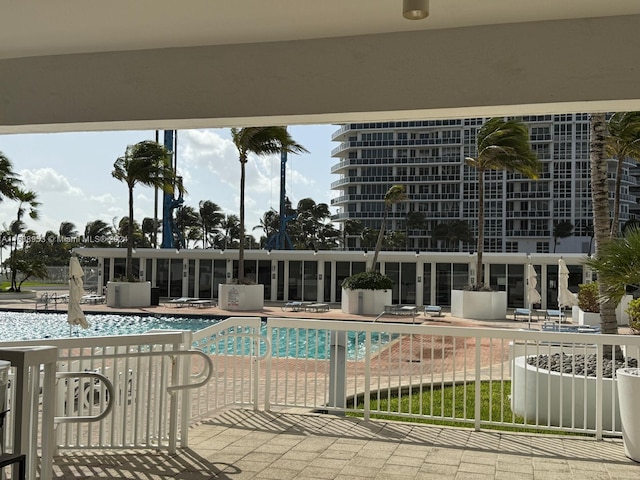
241, 444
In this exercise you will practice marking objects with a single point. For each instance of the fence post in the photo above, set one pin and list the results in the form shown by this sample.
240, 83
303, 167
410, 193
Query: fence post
337, 370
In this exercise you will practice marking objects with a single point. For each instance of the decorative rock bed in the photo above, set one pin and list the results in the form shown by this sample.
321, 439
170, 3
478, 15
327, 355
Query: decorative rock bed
579, 364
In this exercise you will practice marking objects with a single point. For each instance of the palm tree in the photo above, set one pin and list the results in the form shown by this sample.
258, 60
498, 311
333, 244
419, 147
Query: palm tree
452, 233
561, 230
350, 227
601, 225
229, 231
210, 218
617, 264
502, 145
269, 224
150, 229
309, 226
97, 233
395, 194
67, 230
623, 142
261, 141
27, 200
145, 163
189, 224
9, 181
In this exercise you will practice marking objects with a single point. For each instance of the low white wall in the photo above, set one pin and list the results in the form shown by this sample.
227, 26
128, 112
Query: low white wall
479, 305
561, 400
128, 294
240, 297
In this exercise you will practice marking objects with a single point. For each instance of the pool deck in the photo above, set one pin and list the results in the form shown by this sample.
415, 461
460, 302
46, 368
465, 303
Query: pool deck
270, 310
243, 444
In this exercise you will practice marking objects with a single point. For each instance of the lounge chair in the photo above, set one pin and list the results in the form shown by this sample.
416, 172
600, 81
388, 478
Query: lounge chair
317, 307
295, 306
181, 301
433, 310
554, 315
202, 303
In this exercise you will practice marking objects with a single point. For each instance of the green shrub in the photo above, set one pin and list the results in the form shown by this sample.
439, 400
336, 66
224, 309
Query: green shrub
633, 309
367, 281
588, 297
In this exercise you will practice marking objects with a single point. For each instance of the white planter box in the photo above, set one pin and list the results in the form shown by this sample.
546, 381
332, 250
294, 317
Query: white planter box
628, 380
240, 297
561, 399
621, 314
588, 318
478, 305
365, 302
128, 294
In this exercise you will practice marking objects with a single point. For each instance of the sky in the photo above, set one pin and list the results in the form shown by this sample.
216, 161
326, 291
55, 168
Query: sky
71, 174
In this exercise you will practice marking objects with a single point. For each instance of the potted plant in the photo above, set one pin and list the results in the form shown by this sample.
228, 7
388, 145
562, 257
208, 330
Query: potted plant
588, 304
633, 310
616, 265
245, 294
502, 145
145, 163
367, 293
628, 380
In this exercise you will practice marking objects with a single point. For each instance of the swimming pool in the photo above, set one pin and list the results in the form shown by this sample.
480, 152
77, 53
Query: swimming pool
32, 325
286, 342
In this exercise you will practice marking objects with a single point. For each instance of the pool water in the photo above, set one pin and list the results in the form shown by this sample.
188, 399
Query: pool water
287, 342
31, 326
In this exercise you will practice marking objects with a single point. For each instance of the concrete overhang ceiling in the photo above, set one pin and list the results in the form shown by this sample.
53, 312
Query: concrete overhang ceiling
144, 64
44, 27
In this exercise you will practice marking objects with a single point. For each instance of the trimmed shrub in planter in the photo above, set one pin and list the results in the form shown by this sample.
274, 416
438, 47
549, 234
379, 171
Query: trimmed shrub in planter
588, 297
367, 281
366, 293
633, 310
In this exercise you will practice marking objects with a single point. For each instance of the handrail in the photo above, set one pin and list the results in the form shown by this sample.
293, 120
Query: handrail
379, 316
208, 363
89, 418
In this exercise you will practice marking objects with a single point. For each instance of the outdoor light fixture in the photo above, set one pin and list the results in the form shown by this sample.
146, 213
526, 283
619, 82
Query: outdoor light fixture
415, 9
417, 252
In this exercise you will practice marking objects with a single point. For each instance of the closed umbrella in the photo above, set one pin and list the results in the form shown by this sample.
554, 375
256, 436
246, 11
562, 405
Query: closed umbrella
566, 297
532, 291
75, 315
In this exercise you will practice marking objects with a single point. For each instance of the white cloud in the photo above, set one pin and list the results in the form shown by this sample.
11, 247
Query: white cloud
48, 180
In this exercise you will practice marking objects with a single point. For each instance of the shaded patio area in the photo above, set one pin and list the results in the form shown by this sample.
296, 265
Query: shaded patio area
242, 444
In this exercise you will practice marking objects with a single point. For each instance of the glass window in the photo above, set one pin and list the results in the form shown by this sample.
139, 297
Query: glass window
443, 284
205, 279
310, 281
408, 283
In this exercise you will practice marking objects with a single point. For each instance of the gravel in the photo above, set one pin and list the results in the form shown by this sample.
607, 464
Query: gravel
579, 364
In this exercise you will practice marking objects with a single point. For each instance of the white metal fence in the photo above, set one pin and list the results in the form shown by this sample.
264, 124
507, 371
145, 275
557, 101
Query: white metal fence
362, 368
406, 371
150, 380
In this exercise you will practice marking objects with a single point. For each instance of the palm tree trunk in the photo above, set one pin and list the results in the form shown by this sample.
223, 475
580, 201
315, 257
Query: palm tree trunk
129, 263
480, 243
241, 246
616, 199
601, 227
379, 241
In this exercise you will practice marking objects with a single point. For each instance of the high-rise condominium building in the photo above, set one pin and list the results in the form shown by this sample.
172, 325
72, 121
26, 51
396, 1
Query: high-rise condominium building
428, 158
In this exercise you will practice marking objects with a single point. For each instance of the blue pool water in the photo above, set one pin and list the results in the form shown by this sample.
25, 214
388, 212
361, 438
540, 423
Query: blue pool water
31, 326
301, 343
